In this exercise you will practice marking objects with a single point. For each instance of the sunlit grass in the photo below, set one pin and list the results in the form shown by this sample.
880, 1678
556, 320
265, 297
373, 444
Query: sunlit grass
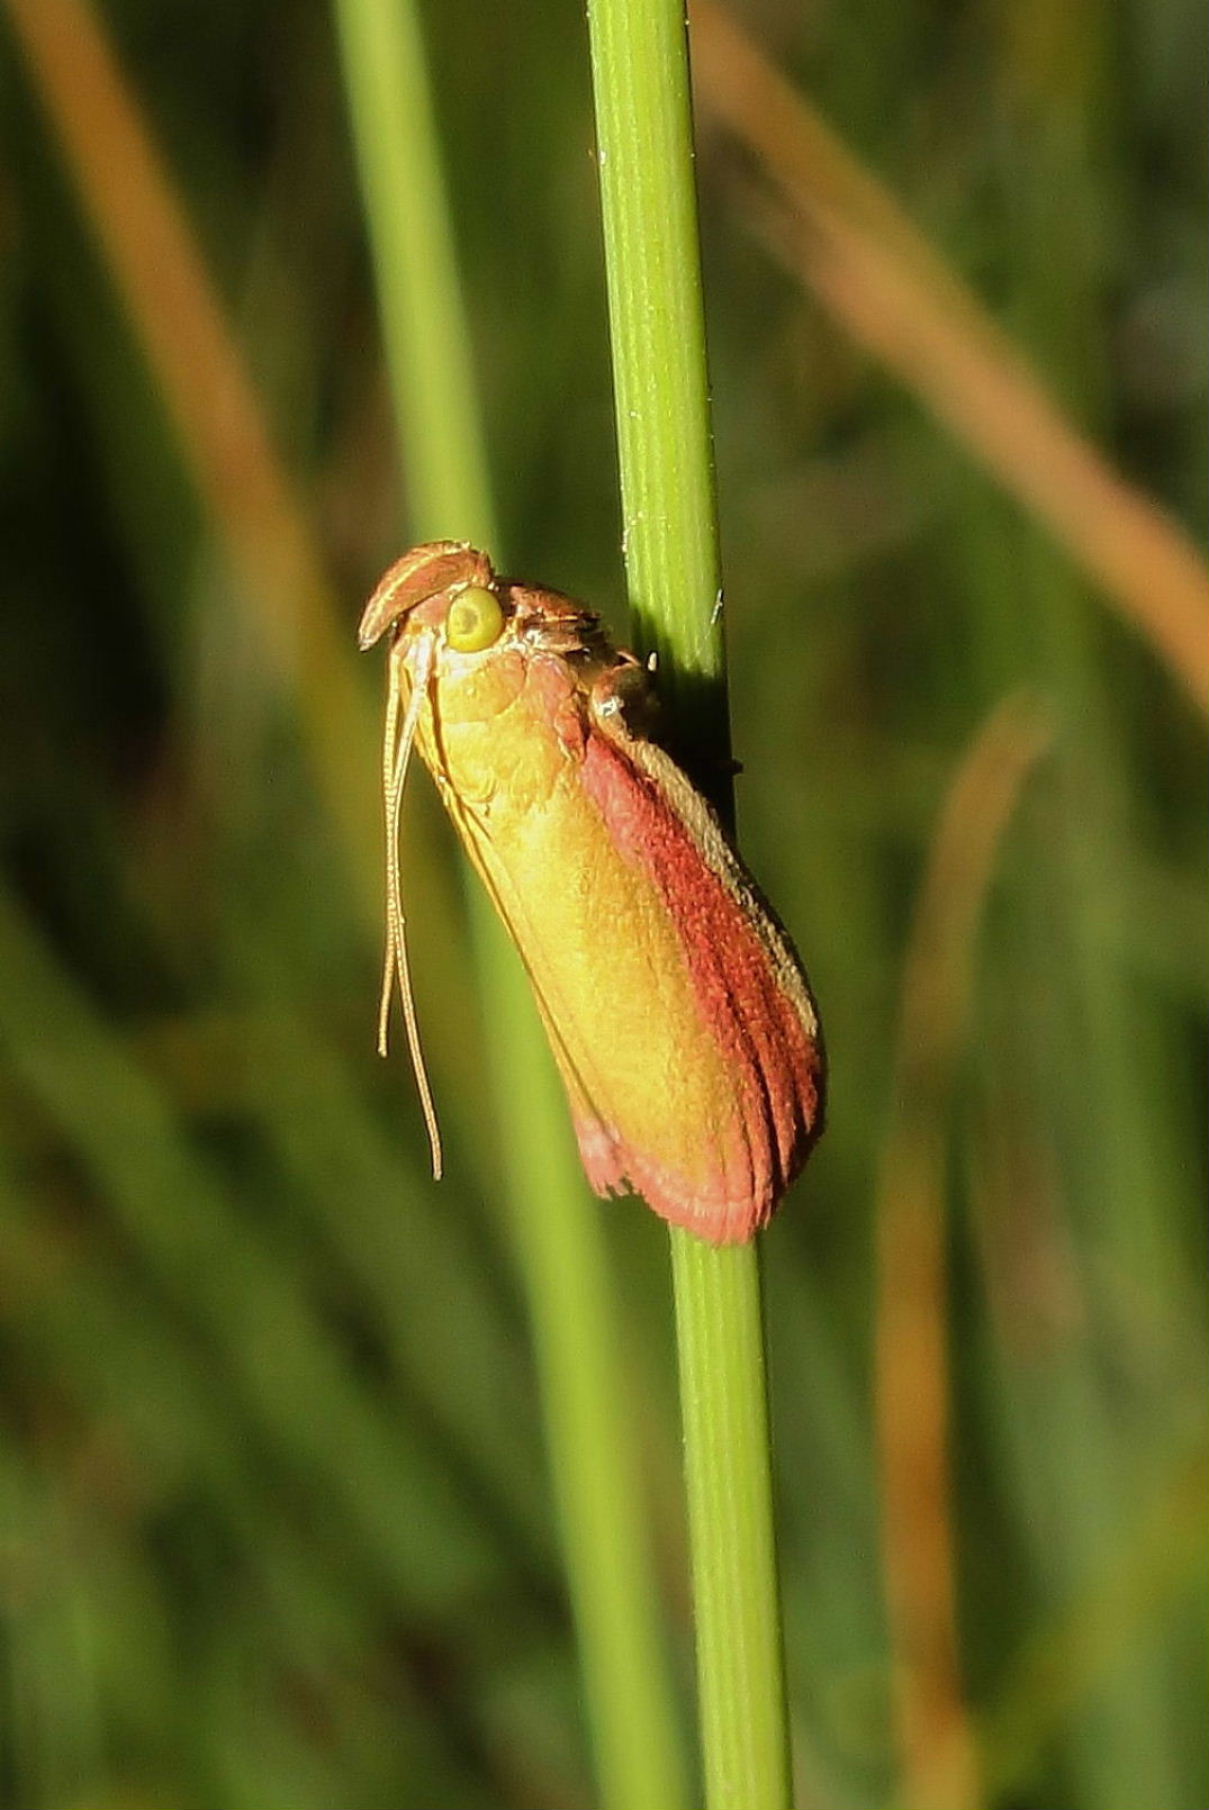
670, 540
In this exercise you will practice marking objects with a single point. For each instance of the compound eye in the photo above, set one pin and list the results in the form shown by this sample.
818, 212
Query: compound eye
475, 620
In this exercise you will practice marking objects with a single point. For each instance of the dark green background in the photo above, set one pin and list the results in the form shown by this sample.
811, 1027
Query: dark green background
274, 1522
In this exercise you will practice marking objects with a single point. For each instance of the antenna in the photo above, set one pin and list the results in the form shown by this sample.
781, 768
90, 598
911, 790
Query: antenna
397, 745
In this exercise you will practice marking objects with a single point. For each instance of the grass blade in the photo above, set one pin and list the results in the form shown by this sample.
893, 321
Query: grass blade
644, 130
558, 1232
887, 287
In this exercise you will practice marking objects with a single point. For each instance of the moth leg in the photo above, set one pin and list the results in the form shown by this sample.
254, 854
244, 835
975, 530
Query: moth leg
622, 701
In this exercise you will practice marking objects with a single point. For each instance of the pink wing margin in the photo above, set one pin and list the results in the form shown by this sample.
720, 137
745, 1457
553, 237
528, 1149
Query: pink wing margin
749, 982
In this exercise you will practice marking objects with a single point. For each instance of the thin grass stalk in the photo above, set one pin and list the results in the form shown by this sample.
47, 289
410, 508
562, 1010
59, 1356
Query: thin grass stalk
887, 286
129, 197
559, 1234
259, 521
644, 133
937, 1753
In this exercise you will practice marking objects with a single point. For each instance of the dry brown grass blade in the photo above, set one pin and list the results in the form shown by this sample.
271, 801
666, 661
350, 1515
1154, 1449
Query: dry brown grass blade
257, 518
936, 1745
155, 264
885, 285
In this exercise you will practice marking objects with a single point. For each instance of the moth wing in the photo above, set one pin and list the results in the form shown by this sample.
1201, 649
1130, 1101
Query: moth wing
676, 1008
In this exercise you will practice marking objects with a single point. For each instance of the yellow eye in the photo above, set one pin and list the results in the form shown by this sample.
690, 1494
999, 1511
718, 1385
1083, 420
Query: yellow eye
475, 620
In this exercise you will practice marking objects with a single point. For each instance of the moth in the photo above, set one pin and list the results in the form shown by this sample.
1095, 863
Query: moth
678, 1011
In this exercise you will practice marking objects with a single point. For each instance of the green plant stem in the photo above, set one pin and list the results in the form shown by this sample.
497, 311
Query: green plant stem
557, 1229
657, 324
644, 133
428, 353
724, 1403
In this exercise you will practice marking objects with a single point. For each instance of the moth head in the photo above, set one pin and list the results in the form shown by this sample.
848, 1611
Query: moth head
442, 593
426, 585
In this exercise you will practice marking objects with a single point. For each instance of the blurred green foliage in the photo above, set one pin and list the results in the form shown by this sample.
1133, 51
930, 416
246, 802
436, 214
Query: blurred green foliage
274, 1522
